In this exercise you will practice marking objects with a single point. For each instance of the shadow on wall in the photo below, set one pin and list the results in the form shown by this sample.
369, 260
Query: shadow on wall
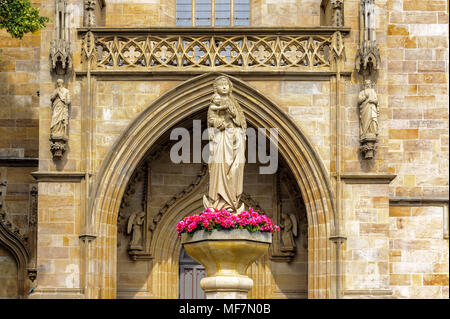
8, 275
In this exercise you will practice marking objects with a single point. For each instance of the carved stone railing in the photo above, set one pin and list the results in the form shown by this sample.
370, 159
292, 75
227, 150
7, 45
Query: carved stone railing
206, 49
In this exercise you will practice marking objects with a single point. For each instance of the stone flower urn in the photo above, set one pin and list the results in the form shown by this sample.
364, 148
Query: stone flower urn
226, 255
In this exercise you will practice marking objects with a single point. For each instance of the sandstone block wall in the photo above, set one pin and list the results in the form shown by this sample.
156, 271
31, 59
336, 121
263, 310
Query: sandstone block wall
417, 88
19, 136
418, 252
144, 13
19, 95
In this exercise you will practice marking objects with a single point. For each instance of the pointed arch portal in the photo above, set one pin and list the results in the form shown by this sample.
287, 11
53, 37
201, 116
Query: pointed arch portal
184, 100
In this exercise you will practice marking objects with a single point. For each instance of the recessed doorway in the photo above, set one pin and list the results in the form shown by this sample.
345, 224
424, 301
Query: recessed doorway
191, 272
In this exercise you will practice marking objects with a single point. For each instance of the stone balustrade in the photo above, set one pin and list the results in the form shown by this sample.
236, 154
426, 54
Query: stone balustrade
206, 49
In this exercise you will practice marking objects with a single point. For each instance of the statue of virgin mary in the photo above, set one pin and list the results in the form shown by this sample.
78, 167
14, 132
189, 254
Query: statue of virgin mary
227, 125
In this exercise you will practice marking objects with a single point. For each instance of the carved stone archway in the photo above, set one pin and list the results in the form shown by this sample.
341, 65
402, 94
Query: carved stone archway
184, 100
16, 245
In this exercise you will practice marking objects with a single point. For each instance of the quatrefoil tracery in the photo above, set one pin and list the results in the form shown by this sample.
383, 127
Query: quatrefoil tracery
209, 51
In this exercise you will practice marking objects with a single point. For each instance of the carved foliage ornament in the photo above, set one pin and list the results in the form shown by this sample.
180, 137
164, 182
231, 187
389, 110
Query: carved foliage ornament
88, 49
337, 47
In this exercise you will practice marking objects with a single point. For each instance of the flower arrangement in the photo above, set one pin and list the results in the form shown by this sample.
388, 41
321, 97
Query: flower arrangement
224, 220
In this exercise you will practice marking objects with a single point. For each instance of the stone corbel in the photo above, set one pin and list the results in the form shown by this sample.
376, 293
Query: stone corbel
60, 53
368, 146
58, 146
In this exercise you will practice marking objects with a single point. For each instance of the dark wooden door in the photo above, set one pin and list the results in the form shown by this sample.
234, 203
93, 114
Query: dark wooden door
191, 272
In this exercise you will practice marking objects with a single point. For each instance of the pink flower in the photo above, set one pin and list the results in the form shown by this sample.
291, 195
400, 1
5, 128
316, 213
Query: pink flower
223, 219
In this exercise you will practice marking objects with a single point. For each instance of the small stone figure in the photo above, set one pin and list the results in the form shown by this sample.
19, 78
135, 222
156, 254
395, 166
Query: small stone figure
288, 232
60, 119
89, 13
337, 18
368, 115
134, 228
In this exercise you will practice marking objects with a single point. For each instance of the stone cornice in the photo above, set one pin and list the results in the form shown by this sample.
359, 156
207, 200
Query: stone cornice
63, 177
365, 292
368, 178
320, 30
418, 201
44, 292
19, 162
176, 75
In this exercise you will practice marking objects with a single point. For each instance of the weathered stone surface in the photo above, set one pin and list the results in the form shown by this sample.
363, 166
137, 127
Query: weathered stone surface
396, 248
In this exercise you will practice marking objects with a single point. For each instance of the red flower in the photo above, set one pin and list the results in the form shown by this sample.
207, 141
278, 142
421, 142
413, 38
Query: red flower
223, 219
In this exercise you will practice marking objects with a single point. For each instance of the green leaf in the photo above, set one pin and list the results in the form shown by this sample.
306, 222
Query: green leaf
19, 17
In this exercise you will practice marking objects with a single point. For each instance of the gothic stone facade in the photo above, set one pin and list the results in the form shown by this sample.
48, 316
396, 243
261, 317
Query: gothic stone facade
366, 227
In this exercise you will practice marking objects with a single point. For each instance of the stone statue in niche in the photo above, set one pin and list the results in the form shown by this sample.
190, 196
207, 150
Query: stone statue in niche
134, 227
337, 18
60, 99
289, 229
368, 116
227, 125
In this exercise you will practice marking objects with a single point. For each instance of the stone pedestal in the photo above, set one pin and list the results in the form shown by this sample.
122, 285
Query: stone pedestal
368, 146
226, 256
